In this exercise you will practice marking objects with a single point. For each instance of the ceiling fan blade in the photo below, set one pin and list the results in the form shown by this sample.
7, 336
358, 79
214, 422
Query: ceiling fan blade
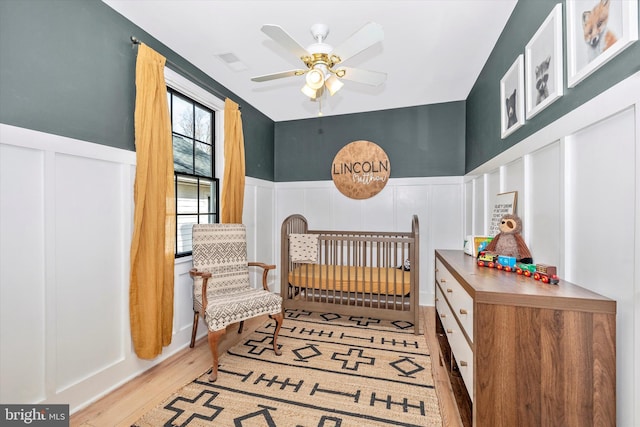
368, 35
280, 36
373, 78
279, 75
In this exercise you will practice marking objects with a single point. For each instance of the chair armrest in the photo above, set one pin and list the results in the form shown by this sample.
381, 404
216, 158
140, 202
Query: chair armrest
195, 273
265, 272
205, 277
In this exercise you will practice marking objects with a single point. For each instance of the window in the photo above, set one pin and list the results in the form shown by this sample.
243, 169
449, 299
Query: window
196, 185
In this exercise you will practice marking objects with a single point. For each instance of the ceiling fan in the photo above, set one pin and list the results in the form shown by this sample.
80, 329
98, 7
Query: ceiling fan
324, 63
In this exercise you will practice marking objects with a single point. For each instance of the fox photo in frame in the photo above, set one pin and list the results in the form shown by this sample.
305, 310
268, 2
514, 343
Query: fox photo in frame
512, 98
597, 30
544, 64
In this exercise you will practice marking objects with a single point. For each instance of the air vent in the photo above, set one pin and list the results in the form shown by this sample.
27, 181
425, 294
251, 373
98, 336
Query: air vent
232, 61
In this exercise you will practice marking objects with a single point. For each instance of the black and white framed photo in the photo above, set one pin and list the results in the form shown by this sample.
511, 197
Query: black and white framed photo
544, 64
597, 30
512, 98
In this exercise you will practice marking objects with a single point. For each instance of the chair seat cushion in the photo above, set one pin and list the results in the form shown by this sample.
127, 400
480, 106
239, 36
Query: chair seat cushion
225, 308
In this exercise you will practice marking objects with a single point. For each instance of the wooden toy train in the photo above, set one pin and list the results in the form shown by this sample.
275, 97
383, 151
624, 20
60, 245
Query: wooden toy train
542, 272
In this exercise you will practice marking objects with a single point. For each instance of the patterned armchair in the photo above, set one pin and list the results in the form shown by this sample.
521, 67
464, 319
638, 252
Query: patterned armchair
221, 285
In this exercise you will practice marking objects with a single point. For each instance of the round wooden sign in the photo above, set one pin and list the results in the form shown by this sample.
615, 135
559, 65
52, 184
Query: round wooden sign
360, 170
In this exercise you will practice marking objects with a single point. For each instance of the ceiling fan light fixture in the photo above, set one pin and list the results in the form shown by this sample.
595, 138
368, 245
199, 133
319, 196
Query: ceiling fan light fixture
310, 92
320, 60
315, 79
333, 84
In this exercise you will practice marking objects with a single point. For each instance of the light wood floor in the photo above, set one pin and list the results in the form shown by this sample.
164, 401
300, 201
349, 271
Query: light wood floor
129, 402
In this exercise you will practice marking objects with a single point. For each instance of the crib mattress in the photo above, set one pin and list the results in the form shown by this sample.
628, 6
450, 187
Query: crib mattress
343, 278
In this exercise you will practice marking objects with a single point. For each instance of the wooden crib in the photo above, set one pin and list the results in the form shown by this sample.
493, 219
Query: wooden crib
359, 273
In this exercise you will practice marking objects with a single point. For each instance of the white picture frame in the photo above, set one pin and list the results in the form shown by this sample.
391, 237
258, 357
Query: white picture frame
512, 98
584, 58
544, 63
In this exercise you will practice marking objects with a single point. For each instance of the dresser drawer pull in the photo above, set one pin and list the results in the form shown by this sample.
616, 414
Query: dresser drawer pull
449, 290
463, 311
463, 363
443, 315
449, 331
443, 280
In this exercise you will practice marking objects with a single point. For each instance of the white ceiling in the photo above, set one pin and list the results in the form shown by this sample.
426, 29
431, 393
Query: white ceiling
433, 50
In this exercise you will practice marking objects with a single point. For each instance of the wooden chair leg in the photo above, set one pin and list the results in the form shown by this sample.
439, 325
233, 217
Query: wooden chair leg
214, 337
279, 318
194, 329
241, 326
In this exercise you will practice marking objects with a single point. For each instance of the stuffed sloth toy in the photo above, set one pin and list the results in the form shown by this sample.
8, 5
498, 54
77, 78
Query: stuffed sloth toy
509, 242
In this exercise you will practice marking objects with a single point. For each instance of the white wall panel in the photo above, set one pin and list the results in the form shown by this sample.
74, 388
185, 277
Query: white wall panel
347, 213
480, 227
290, 202
468, 207
379, 210
599, 207
22, 285
88, 212
263, 233
544, 236
413, 199
446, 216
249, 219
182, 296
493, 187
264, 224
318, 205
443, 231
514, 181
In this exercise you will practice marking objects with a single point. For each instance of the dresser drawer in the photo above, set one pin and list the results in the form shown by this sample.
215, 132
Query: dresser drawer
459, 299
457, 341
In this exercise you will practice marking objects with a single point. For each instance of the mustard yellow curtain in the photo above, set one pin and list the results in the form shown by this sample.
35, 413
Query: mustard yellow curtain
153, 241
234, 169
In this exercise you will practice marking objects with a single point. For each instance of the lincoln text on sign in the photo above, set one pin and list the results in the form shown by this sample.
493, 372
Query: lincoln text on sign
360, 170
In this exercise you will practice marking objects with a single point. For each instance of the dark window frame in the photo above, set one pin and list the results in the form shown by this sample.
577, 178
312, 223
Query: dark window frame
193, 178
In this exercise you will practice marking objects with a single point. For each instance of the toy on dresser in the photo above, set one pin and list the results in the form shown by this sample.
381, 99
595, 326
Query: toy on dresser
541, 272
509, 242
508, 252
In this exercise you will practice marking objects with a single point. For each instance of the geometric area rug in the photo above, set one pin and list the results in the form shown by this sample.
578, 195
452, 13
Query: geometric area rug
334, 371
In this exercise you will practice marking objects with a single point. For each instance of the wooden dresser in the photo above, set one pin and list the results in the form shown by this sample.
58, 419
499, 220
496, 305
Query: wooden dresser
530, 354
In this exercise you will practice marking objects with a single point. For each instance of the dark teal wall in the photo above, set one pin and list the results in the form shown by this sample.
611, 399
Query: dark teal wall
420, 141
483, 103
67, 68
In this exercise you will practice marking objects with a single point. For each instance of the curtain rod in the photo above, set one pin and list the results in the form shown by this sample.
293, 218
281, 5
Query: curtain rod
135, 41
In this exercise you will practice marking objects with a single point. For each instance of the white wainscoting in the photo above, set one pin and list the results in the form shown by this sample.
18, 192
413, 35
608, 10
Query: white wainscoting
437, 202
578, 183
